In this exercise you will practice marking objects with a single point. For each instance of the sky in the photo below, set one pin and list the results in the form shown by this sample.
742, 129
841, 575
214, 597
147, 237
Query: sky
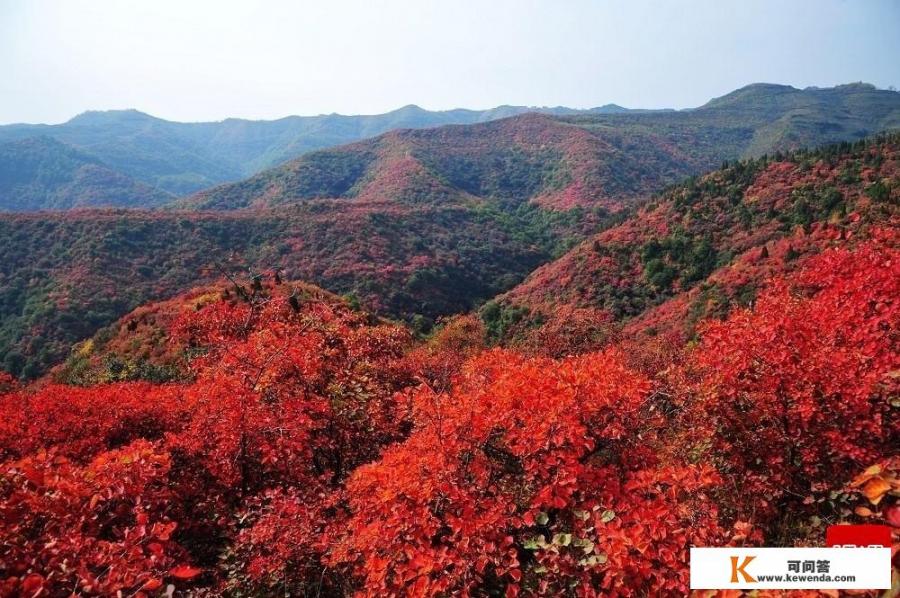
198, 60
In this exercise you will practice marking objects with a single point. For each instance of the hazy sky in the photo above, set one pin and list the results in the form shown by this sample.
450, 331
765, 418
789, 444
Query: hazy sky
207, 60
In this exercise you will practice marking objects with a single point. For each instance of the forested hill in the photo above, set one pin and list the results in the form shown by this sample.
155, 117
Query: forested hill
40, 173
706, 245
561, 161
529, 158
63, 275
694, 250
181, 158
416, 224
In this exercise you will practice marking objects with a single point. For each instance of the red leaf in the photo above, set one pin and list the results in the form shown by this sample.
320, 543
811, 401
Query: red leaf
32, 583
892, 515
185, 572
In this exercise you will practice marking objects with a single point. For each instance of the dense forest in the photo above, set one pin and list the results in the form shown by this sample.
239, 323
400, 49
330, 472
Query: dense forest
40, 173
65, 275
711, 242
414, 224
717, 367
181, 158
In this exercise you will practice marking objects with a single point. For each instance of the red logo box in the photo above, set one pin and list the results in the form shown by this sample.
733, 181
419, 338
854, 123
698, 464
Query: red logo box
858, 536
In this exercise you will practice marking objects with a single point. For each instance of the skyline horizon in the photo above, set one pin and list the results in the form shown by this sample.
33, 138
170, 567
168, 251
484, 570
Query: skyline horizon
210, 60
586, 108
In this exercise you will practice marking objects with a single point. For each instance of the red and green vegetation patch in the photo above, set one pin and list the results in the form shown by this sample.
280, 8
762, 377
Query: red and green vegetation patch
41, 173
711, 243
64, 276
530, 158
315, 448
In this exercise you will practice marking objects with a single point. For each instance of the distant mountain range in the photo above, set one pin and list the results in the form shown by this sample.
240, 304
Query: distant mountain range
416, 224
39, 173
600, 158
180, 158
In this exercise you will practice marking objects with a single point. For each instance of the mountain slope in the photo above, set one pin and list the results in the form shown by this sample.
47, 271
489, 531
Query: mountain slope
40, 173
510, 161
65, 275
145, 345
418, 224
707, 244
606, 158
301, 448
805, 118
181, 158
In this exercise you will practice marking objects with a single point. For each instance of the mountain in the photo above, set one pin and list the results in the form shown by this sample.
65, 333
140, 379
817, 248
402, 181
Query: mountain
415, 224
530, 158
156, 152
181, 158
40, 173
788, 118
704, 246
65, 275
144, 344
606, 158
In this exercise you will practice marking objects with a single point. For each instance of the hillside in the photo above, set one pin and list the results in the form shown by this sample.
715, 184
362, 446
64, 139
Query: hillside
65, 275
182, 158
529, 158
706, 245
560, 161
304, 449
416, 224
40, 173
144, 344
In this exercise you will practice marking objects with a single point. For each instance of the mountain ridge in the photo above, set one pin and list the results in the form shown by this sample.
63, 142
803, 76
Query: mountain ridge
183, 157
38, 173
708, 244
608, 159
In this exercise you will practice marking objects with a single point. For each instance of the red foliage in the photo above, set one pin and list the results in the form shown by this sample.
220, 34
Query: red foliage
283, 541
569, 331
442, 356
290, 388
528, 475
796, 393
285, 394
81, 422
92, 529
